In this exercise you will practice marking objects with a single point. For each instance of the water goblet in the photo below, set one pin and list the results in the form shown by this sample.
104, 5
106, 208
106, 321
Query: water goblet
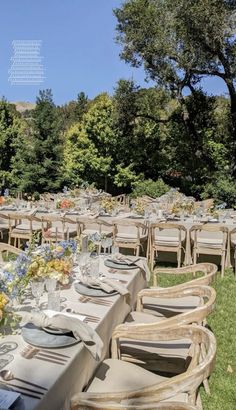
37, 288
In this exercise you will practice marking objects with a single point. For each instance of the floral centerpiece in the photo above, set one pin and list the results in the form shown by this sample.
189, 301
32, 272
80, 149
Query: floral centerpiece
185, 206
46, 261
65, 204
108, 204
139, 207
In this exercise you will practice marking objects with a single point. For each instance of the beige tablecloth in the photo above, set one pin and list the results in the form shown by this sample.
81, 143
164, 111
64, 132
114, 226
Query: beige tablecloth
63, 381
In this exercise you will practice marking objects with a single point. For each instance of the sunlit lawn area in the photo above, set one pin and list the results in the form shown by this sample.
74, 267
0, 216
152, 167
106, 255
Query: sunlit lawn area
223, 324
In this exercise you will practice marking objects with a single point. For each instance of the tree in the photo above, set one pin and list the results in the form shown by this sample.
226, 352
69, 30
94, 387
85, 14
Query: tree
11, 126
89, 145
179, 42
40, 165
73, 111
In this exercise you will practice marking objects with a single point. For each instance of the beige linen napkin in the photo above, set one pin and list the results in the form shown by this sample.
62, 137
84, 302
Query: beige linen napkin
106, 284
139, 262
80, 330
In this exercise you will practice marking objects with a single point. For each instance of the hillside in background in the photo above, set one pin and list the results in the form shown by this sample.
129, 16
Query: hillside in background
22, 106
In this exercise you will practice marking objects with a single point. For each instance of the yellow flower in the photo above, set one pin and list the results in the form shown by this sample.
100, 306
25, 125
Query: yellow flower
3, 301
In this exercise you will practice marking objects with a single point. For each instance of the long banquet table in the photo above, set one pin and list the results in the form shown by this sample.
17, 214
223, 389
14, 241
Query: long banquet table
63, 381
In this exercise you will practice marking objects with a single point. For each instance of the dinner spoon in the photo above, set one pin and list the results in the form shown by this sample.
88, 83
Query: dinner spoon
7, 375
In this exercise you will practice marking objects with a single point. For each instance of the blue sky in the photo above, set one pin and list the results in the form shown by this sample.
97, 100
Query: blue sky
78, 46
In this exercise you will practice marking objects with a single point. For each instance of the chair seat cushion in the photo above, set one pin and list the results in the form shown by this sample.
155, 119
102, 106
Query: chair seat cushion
115, 375
24, 228
169, 307
167, 241
94, 231
128, 237
51, 232
210, 242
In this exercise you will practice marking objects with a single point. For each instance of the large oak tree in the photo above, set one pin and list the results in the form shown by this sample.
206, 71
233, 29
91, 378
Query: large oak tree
179, 42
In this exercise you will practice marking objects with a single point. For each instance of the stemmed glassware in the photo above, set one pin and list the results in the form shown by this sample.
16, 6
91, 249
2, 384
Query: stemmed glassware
106, 243
37, 288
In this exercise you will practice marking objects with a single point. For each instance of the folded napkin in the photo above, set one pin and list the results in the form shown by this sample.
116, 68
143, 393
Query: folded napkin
80, 330
106, 284
139, 262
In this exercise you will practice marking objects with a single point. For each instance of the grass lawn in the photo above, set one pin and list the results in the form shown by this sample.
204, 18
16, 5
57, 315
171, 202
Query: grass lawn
223, 324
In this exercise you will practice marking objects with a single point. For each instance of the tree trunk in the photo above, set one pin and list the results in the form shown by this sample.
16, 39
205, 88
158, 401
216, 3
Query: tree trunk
232, 94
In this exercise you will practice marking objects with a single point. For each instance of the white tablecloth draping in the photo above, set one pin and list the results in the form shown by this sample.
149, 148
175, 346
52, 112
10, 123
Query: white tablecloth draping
63, 381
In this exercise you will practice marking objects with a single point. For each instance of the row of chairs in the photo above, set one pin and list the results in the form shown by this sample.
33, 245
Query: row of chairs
158, 237
126, 233
206, 239
162, 353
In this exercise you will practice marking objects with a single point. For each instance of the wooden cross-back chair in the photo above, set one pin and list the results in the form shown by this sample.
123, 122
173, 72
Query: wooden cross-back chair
212, 244
57, 228
166, 243
121, 384
130, 234
23, 226
92, 226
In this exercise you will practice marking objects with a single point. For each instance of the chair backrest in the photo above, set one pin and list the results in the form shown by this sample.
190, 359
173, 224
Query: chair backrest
199, 369
136, 227
206, 294
233, 232
211, 228
4, 247
95, 224
161, 226
208, 269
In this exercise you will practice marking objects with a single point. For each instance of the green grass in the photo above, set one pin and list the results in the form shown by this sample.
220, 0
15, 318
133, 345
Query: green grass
223, 324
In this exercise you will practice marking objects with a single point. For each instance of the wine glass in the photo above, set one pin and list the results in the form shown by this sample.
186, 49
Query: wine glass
37, 288
106, 243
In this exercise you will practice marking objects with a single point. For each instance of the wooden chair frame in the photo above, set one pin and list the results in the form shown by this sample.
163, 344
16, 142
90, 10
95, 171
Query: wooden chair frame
134, 244
64, 234
233, 232
208, 250
209, 270
200, 368
5, 247
154, 247
28, 234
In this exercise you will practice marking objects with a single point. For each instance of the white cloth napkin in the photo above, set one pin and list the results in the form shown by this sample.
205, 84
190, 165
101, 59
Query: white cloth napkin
80, 330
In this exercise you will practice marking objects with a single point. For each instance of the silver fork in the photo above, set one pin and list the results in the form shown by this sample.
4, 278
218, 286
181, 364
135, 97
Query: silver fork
88, 318
60, 355
85, 299
33, 352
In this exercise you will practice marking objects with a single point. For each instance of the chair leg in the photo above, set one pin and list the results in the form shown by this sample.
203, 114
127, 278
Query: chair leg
15, 241
235, 262
179, 257
223, 265
194, 256
152, 259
